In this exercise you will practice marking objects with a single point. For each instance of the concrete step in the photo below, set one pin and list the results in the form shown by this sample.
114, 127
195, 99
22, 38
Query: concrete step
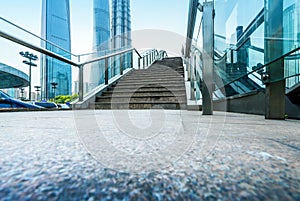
171, 87
155, 75
156, 87
154, 84
150, 81
167, 71
140, 105
162, 92
149, 78
127, 99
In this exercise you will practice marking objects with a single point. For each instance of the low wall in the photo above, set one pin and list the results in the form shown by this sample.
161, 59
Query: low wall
291, 109
251, 103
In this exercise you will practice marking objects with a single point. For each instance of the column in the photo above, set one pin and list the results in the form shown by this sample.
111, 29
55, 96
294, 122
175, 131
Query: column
208, 63
275, 86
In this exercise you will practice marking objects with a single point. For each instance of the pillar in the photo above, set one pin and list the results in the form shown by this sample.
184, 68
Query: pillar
208, 63
275, 86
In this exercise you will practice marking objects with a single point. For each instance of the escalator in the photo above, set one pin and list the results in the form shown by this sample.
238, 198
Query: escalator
238, 78
233, 78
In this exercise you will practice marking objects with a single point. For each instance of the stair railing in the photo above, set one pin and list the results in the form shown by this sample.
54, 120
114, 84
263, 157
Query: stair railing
124, 56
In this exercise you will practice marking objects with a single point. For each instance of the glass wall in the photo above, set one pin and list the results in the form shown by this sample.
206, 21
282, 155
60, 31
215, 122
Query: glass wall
240, 44
291, 35
56, 77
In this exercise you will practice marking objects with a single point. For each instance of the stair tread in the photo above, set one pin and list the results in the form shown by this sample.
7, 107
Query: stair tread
142, 102
157, 85
135, 96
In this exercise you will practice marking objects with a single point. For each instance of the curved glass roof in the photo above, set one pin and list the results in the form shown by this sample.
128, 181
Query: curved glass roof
12, 78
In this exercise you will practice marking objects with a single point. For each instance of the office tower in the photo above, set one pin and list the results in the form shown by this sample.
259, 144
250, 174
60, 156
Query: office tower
101, 25
100, 43
121, 29
56, 76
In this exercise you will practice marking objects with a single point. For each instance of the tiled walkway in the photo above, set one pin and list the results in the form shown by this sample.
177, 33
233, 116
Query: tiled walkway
147, 155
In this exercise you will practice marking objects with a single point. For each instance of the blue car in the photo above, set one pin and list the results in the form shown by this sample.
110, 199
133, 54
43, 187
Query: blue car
8, 102
46, 104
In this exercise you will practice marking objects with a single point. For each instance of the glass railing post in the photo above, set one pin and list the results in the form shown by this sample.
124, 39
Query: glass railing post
121, 65
80, 79
208, 63
143, 62
139, 63
153, 54
188, 69
146, 60
193, 66
131, 59
106, 71
152, 57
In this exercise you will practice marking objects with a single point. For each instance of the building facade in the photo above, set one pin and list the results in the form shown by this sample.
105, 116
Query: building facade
121, 32
101, 41
56, 76
101, 26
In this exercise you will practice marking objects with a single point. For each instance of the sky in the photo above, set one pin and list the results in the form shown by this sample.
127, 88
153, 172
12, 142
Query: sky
166, 16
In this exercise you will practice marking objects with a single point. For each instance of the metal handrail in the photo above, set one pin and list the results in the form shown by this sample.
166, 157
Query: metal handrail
17, 26
68, 61
255, 70
57, 56
109, 55
265, 65
38, 49
46, 41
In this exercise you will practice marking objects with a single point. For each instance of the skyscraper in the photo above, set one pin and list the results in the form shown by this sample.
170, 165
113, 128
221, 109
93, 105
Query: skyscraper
101, 42
101, 25
121, 29
56, 29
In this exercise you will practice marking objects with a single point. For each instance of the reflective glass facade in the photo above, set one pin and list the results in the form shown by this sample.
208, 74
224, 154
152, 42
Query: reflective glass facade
121, 31
241, 35
255, 51
101, 25
291, 35
56, 29
95, 74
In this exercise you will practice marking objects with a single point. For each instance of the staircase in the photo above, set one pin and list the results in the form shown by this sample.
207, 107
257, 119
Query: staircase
161, 86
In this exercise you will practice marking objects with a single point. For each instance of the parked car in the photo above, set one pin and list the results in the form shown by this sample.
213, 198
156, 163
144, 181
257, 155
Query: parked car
63, 106
8, 102
46, 104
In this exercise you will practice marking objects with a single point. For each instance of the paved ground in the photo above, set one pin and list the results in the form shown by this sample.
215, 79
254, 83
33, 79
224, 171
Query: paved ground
143, 155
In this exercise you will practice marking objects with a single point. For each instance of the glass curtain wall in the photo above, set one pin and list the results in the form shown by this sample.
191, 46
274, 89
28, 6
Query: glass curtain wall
56, 77
121, 32
94, 73
240, 39
291, 35
239, 44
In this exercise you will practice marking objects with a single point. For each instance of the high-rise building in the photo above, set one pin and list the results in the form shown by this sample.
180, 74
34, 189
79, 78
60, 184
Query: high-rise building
96, 71
56, 76
121, 24
101, 25
121, 29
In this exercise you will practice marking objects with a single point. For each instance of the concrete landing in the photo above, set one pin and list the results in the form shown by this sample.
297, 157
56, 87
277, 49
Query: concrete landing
147, 155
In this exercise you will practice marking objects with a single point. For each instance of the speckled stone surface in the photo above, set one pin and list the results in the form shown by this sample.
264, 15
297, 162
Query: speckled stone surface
183, 156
